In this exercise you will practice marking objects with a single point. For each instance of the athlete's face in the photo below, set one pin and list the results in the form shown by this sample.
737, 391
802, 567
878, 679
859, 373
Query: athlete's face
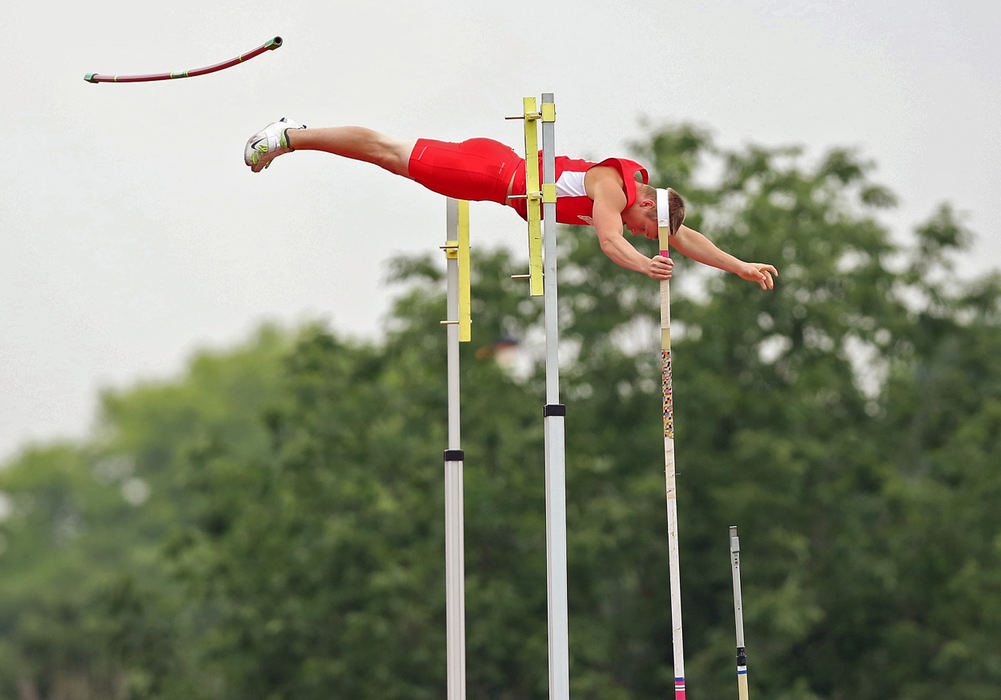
639, 224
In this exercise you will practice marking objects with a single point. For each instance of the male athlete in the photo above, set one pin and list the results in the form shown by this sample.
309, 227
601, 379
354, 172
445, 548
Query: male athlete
605, 195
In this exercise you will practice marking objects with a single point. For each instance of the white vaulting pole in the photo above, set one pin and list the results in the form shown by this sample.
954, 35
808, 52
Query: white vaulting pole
663, 216
456, 250
555, 431
738, 614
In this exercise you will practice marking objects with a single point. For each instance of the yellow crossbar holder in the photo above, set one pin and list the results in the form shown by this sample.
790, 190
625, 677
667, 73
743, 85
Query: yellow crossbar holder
465, 321
548, 188
458, 250
534, 194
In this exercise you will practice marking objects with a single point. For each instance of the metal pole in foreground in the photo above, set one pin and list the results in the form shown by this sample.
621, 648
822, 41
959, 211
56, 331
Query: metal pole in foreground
542, 280
663, 216
456, 249
555, 431
738, 614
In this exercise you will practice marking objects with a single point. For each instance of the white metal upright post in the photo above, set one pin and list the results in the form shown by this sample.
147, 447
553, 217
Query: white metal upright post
456, 250
555, 431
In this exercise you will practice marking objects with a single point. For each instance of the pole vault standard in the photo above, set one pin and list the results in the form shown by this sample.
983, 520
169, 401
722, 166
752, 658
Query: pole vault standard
542, 281
664, 230
458, 330
554, 414
269, 45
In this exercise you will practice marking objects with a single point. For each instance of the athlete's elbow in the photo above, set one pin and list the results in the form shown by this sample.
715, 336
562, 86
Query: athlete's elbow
614, 253
608, 246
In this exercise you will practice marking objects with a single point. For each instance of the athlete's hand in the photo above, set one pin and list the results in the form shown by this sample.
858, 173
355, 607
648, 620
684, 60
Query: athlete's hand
760, 273
660, 268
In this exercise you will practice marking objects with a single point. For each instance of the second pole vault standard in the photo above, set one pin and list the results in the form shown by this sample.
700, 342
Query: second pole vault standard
738, 614
542, 281
457, 300
664, 230
269, 45
555, 430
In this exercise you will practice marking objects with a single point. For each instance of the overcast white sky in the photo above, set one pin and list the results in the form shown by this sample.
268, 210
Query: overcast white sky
131, 233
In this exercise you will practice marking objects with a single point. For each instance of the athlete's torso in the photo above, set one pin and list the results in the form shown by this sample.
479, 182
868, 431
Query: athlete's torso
573, 206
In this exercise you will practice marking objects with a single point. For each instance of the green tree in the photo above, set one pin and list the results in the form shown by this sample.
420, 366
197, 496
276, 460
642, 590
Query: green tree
88, 607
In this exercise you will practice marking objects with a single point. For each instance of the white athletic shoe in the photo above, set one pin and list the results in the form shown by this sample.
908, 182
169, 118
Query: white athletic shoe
269, 143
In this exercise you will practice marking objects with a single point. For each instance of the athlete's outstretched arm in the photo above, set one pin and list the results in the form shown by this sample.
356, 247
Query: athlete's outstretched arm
606, 217
694, 245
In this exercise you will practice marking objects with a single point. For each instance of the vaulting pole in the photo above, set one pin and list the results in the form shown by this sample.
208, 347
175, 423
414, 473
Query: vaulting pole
663, 215
457, 300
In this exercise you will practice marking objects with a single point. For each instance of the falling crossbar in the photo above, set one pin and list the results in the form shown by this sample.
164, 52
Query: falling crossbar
269, 45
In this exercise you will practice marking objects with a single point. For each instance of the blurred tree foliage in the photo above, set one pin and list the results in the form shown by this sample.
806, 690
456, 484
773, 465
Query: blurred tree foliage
270, 524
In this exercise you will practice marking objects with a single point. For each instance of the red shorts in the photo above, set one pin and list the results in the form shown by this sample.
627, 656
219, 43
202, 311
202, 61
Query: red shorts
476, 169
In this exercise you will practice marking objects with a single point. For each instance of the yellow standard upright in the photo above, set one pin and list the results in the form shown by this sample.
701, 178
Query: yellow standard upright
533, 194
457, 249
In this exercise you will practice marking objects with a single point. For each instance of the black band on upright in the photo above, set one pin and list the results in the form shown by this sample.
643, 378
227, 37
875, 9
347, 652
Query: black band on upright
741, 656
554, 409
454, 455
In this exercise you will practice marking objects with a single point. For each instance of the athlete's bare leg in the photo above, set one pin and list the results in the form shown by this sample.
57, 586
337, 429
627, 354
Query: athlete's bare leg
357, 143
